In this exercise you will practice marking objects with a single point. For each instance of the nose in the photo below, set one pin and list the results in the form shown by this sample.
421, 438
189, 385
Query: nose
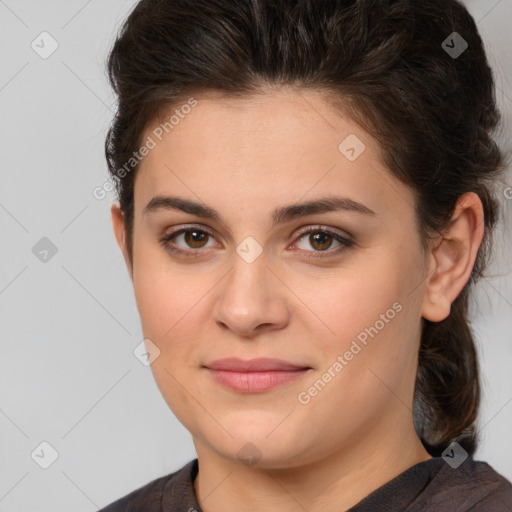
252, 300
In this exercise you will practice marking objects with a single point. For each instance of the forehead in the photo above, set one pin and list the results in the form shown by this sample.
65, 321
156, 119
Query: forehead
276, 147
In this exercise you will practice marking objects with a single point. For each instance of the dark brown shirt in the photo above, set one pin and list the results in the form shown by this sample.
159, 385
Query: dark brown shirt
432, 485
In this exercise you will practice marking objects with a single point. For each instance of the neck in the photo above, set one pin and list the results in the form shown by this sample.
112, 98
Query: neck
330, 484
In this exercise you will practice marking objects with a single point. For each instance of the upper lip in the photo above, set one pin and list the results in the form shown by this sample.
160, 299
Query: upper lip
253, 365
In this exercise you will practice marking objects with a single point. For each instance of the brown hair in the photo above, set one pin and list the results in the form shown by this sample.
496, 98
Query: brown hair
433, 113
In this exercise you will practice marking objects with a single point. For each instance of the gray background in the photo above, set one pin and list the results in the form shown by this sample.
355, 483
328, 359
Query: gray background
69, 325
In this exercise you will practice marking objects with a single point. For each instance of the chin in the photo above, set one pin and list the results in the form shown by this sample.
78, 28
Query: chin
259, 446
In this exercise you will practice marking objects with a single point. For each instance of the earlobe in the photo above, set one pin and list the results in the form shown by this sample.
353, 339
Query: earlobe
120, 233
453, 257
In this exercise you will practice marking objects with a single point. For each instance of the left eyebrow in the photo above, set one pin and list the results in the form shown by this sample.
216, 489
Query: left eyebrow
279, 215
321, 205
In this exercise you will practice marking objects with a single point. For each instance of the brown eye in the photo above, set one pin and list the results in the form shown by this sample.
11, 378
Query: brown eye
187, 241
195, 239
320, 240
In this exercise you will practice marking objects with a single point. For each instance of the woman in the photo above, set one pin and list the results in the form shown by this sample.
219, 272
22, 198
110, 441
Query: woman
304, 205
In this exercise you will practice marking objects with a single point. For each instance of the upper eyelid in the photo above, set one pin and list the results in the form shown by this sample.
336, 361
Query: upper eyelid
191, 227
327, 229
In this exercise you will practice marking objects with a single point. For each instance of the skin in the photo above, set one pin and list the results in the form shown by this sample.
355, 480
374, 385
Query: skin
245, 157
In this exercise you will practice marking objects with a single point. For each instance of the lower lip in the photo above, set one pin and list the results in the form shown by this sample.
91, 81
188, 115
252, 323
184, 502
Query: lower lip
255, 382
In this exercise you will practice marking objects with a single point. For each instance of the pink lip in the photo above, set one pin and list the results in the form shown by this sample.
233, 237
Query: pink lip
255, 375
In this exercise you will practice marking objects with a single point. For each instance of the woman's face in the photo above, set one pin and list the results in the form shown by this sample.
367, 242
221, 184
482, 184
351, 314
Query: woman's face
250, 282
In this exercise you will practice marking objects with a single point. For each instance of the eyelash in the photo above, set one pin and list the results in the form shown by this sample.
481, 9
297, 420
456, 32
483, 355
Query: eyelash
346, 243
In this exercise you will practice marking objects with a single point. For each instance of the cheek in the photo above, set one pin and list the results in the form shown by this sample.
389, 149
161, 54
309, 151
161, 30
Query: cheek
171, 314
169, 308
368, 319
341, 305
166, 294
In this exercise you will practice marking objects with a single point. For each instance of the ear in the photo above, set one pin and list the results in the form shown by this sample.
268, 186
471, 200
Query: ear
453, 257
120, 233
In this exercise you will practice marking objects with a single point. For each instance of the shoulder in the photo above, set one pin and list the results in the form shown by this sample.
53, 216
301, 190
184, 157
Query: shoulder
149, 497
149, 494
474, 486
